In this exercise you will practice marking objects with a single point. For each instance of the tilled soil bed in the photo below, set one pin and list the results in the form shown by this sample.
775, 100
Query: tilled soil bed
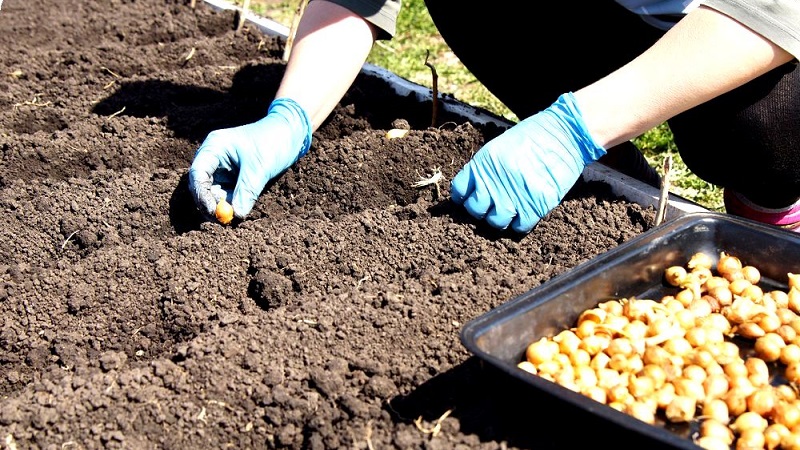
329, 319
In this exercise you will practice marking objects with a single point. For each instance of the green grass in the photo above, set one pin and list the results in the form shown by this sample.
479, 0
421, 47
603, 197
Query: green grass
417, 38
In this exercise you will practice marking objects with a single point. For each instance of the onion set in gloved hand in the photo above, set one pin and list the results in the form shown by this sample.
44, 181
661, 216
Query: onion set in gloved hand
237, 163
224, 212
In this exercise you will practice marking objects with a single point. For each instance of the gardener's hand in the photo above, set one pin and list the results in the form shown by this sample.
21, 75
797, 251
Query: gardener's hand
521, 175
248, 157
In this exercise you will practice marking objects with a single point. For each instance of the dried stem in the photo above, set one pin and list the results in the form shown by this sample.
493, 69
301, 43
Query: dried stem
189, 56
663, 198
435, 88
436, 428
301, 8
64, 244
369, 436
117, 113
242, 14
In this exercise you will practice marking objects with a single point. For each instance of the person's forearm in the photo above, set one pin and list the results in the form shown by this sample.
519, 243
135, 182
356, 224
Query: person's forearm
330, 48
705, 55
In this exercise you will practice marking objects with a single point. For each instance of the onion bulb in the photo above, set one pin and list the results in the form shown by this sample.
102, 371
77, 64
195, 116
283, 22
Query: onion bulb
224, 212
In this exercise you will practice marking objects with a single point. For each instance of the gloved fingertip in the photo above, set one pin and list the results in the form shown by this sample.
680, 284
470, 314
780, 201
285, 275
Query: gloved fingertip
207, 204
478, 205
460, 187
202, 196
524, 223
242, 205
502, 213
499, 221
456, 196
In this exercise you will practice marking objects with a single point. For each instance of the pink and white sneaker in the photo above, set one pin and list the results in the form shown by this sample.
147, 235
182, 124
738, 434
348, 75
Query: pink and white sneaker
737, 204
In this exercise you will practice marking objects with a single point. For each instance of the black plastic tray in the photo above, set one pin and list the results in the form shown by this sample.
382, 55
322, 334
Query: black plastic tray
633, 269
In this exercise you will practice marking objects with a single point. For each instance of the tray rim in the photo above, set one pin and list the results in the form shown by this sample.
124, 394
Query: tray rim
585, 270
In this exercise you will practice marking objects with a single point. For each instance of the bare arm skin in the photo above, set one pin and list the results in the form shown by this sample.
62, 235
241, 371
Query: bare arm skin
705, 55
330, 48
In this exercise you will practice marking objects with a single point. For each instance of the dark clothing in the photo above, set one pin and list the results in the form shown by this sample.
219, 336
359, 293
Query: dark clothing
747, 140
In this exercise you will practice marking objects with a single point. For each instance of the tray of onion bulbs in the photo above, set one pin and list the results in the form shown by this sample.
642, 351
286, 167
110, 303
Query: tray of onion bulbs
687, 335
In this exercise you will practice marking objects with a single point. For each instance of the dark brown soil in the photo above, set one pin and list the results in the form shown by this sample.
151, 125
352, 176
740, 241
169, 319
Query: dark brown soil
329, 319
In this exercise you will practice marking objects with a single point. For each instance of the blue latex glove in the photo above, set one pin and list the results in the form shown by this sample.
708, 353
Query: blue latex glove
249, 156
521, 175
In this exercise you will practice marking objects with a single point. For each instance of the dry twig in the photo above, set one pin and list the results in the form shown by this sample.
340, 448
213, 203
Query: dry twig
33, 103
663, 198
301, 8
435, 89
434, 430
113, 74
360, 281
242, 14
64, 244
117, 113
369, 435
189, 56
201, 416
